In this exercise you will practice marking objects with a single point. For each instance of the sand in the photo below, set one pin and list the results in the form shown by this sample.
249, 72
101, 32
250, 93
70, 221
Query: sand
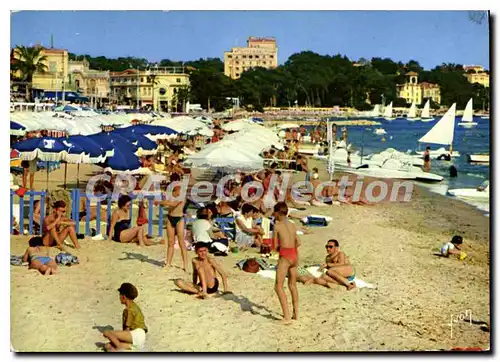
390, 245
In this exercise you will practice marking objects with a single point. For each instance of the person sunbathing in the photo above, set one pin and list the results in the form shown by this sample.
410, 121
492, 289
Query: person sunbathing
56, 227
204, 269
120, 229
38, 257
336, 269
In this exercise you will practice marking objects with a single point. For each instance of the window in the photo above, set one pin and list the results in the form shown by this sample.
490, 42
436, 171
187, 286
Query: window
229, 56
178, 80
53, 67
256, 57
244, 56
271, 56
264, 62
175, 90
250, 56
142, 80
237, 62
237, 69
237, 74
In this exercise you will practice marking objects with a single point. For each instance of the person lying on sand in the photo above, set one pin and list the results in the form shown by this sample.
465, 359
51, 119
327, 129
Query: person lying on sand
285, 235
133, 335
56, 227
337, 269
38, 257
204, 269
452, 247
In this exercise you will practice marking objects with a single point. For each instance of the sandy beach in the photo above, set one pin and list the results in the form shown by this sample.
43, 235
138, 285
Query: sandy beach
391, 245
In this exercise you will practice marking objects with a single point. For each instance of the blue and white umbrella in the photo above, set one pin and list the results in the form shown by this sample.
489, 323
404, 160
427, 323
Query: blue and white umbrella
17, 129
123, 160
144, 144
109, 141
82, 149
150, 131
45, 149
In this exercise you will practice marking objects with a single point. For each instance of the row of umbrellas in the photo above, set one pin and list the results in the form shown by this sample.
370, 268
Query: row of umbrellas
118, 149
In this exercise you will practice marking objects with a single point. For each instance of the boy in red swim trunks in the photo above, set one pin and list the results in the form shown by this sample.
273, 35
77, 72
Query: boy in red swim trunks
285, 235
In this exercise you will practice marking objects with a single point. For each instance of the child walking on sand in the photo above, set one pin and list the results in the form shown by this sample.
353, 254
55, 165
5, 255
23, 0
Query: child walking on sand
38, 256
133, 335
285, 235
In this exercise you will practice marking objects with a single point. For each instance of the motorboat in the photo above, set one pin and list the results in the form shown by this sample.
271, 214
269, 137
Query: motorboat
393, 169
479, 158
467, 118
380, 131
480, 193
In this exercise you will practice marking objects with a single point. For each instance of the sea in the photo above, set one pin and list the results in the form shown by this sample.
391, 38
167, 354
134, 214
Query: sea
403, 135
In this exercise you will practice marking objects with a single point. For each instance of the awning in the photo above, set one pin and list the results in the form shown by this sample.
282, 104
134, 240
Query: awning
70, 96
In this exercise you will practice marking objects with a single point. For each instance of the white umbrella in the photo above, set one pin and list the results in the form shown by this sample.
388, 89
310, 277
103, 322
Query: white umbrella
226, 158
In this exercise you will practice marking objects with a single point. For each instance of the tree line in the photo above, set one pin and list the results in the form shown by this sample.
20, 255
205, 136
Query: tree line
310, 79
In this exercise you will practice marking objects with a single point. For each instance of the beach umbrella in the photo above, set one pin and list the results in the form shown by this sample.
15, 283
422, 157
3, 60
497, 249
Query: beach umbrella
151, 131
123, 160
222, 157
144, 144
44, 149
17, 129
109, 141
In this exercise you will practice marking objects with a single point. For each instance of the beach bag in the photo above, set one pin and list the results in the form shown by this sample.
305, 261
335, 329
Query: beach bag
66, 259
141, 215
251, 266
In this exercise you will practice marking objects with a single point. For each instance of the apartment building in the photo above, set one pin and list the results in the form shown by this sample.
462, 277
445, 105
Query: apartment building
259, 52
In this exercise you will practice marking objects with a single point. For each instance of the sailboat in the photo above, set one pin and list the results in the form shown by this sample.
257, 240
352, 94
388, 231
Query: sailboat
412, 114
388, 113
376, 111
426, 117
442, 134
467, 118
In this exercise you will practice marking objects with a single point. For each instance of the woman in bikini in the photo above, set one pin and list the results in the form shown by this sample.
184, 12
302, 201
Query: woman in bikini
120, 229
175, 224
38, 257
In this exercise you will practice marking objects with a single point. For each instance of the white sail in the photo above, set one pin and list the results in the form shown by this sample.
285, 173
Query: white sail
413, 111
426, 110
442, 132
388, 111
376, 111
467, 117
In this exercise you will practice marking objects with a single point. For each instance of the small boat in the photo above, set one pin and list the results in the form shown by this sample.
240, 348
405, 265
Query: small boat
380, 131
480, 193
412, 113
388, 113
442, 134
485, 117
467, 118
426, 117
479, 158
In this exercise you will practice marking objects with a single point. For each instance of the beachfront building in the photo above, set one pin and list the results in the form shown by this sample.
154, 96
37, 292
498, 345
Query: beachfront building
93, 84
259, 52
477, 74
158, 88
413, 91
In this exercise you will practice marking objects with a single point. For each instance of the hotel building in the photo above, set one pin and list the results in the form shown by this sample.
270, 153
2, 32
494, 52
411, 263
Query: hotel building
412, 91
259, 52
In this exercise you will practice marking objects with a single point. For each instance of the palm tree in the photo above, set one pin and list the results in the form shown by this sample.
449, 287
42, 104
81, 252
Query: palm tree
28, 60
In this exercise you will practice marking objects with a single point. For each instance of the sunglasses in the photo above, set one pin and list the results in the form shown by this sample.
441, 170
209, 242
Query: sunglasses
329, 246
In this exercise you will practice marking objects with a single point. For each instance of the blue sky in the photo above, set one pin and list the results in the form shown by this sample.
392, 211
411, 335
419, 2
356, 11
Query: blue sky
430, 37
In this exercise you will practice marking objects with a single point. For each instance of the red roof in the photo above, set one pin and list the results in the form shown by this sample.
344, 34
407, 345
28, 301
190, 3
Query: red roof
125, 72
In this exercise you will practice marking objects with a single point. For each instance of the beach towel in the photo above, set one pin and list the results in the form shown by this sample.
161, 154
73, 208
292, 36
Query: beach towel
316, 220
66, 259
314, 271
264, 265
17, 260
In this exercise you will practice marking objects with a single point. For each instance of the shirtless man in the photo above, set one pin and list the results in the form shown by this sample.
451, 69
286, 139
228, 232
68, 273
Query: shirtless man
285, 235
56, 227
175, 225
204, 268
337, 269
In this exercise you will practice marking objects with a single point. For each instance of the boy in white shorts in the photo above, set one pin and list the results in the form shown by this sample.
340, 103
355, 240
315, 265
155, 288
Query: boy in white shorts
134, 331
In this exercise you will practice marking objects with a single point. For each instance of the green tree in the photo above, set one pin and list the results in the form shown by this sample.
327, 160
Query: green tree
28, 61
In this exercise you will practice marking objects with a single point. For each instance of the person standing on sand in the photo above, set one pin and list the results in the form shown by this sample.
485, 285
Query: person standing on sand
175, 225
57, 227
204, 268
133, 335
285, 235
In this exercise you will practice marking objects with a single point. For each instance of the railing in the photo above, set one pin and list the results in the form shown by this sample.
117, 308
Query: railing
76, 196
